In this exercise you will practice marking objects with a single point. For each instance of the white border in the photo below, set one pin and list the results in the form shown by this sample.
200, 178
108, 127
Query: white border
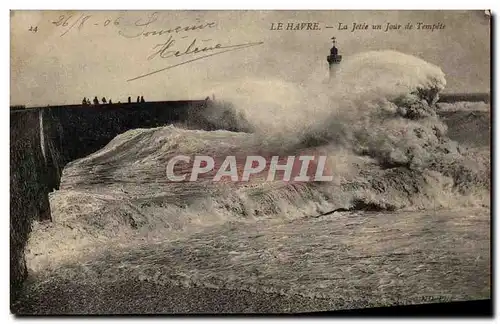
257, 4
190, 4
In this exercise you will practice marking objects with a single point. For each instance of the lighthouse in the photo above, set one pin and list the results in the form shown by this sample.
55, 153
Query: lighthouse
334, 59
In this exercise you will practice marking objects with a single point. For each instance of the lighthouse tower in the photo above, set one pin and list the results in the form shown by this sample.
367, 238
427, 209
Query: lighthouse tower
334, 59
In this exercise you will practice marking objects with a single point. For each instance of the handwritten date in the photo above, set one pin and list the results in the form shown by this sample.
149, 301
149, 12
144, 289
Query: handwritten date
80, 21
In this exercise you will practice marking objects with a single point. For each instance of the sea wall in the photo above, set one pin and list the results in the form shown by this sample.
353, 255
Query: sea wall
28, 189
77, 131
469, 97
44, 140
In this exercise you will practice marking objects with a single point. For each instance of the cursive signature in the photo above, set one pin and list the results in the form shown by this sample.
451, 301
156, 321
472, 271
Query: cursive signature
166, 50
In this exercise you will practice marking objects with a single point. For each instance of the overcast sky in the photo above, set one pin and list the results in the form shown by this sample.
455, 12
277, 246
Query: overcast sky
72, 55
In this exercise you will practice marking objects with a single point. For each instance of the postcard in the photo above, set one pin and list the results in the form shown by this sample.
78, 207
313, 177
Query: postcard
249, 162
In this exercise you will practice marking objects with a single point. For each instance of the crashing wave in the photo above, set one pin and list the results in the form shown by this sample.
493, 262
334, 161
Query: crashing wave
380, 106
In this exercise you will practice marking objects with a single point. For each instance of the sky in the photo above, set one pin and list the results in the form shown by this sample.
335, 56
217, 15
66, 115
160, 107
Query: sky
59, 57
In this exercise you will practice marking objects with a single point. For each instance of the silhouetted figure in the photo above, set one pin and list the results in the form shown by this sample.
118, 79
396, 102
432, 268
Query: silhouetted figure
129, 100
138, 99
142, 99
96, 101
88, 101
103, 100
84, 101
110, 102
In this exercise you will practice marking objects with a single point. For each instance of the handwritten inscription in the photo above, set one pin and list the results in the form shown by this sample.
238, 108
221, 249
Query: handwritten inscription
69, 22
164, 50
142, 27
190, 45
